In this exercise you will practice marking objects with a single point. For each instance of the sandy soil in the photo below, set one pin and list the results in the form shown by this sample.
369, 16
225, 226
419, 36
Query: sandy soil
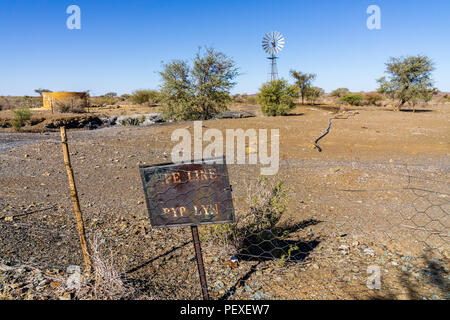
378, 195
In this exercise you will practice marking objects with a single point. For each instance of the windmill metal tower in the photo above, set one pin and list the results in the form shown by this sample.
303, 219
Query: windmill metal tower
272, 43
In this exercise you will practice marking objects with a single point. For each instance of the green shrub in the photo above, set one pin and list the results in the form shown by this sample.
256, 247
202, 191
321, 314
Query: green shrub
339, 92
105, 101
200, 91
267, 200
312, 94
133, 121
21, 116
145, 96
239, 98
252, 100
244, 98
277, 97
354, 99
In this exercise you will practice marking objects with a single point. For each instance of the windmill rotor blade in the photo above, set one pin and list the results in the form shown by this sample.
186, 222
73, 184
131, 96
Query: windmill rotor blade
273, 42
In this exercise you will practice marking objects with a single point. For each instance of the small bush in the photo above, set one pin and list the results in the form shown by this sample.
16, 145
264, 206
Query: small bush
277, 97
4, 103
312, 94
373, 98
105, 101
145, 96
445, 98
69, 105
252, 100
125, 97
21, 116
354, 99
239, 98
133, 121
339, 92
267, 201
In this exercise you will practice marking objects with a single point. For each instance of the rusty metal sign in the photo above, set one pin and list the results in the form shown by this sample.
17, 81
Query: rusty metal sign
188, 194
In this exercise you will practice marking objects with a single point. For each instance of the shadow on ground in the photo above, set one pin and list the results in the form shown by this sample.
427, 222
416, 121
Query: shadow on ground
434, 273
417, 111
269, 245
274, 244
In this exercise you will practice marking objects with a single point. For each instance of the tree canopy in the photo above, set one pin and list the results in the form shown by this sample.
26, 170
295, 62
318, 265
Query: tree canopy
303, 81
200, 91
40, 91
312, 94
409, 80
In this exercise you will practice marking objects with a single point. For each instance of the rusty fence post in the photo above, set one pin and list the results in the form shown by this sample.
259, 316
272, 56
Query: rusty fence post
200, 265
75, 201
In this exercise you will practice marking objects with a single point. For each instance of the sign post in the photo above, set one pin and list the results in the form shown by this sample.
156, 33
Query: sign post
200, 265
189, 194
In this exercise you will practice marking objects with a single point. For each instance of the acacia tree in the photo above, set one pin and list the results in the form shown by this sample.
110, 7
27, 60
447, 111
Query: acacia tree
313, 93
213, 74
176, 90
200, 91
409, 80
303, 81
40, 91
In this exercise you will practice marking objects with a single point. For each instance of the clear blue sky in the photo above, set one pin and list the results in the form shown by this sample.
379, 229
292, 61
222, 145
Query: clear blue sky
121, 43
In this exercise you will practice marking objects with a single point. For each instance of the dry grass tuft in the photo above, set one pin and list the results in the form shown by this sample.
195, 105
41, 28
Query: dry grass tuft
105, 282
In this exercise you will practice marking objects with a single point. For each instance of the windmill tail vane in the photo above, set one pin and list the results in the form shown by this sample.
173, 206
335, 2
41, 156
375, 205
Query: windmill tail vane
273, 43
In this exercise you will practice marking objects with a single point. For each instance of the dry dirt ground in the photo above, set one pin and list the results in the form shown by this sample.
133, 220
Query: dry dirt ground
376, 198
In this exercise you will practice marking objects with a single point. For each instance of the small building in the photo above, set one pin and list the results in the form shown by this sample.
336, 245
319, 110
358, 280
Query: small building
51, 99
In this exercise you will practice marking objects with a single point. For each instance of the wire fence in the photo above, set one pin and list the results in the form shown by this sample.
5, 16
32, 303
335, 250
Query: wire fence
318, 230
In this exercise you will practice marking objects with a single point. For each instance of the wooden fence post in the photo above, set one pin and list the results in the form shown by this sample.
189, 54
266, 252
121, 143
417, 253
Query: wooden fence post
75, 201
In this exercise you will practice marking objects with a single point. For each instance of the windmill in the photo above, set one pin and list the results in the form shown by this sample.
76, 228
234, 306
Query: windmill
272, 43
